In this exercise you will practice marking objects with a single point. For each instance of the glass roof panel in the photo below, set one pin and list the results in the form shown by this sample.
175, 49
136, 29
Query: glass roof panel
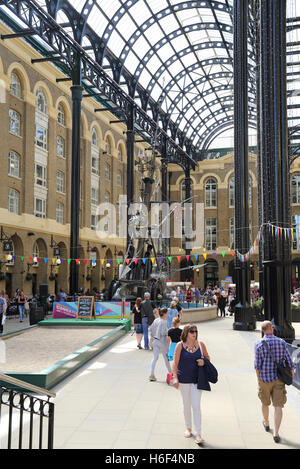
182, 50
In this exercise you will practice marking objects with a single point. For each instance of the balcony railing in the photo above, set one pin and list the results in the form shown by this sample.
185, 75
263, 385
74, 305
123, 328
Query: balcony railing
26, 418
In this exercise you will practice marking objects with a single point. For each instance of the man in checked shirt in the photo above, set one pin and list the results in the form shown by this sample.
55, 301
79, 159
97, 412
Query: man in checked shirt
269, 386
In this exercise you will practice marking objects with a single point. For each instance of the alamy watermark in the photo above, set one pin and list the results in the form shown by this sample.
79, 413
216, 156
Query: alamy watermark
163, 220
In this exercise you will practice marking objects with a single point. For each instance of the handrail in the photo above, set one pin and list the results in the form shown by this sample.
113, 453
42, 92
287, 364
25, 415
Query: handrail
28, 386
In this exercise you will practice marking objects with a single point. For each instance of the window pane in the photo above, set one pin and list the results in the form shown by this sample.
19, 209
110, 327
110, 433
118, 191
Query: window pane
13, 201
13, 164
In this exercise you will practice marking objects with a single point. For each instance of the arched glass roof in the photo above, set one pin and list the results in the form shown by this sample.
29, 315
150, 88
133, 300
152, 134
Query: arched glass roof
179, 54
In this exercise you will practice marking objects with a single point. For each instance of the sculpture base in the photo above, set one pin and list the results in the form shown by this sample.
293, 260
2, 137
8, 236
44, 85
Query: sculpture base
244, 319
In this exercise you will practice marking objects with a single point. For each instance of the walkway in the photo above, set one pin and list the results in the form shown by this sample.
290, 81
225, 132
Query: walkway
110, 404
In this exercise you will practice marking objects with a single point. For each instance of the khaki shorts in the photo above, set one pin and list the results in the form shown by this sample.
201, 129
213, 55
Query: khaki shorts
274, 391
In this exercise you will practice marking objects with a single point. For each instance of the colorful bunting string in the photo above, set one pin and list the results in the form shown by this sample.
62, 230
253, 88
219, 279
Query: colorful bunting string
278, 232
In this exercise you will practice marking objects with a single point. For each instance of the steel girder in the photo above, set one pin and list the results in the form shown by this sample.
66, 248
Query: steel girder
62, 50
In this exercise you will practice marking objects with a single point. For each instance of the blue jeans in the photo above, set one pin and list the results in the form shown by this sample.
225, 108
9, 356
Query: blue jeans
21, 311
145, 332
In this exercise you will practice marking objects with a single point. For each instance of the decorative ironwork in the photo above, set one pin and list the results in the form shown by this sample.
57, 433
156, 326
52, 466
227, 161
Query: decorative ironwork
25, 405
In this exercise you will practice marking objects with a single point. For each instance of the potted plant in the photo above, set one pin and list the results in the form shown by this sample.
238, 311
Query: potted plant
258, 310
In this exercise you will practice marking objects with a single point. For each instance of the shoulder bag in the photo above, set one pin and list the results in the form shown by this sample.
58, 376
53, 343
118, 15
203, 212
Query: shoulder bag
209, 371
283, 370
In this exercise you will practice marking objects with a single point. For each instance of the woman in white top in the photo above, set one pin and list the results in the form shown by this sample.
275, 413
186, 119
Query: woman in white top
159, 332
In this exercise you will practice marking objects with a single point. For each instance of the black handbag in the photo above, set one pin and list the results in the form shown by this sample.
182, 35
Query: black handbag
283, 370
206, 374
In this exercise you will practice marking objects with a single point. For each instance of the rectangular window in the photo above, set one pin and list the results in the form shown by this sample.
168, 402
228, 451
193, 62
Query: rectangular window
40, 207
94, 196
13, 201
59, 213
296, 232
60, 182
211, 234
60, 147
95, 164
93, 222
40, 175
13, 164
41, 136
107, 172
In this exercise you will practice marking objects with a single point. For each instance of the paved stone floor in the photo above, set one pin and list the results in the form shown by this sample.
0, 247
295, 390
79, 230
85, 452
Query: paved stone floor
110, 403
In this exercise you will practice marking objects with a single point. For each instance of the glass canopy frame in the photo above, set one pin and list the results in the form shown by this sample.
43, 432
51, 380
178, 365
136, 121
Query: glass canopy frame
178, 55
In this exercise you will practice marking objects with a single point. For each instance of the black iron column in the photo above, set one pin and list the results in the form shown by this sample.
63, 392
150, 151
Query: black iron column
256, 14
130, 164
76, 90
188, 213
274, 168
243, 315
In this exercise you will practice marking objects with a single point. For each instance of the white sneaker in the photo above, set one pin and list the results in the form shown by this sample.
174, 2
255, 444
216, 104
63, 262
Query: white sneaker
152, 378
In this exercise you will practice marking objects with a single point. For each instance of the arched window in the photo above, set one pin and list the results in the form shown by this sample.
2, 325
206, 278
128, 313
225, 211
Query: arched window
61, 118
211, 193
95, 140
15, 85
295, 189
14, 122
41, 102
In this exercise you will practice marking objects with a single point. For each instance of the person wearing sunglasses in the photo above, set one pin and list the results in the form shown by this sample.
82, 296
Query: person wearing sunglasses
187, 359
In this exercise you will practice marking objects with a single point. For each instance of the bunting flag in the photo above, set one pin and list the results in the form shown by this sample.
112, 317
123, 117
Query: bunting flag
269, 229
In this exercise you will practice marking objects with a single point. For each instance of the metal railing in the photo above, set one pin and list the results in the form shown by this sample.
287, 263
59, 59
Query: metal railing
26, 420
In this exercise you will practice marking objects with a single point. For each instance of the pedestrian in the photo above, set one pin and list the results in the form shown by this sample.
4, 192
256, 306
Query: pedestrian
172, 313
221, 302
159, 333
3, 308
178, 306
136, 319
189, 295
187, 359
21, 305
174, 334
62, 296
270, 388
147, 317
